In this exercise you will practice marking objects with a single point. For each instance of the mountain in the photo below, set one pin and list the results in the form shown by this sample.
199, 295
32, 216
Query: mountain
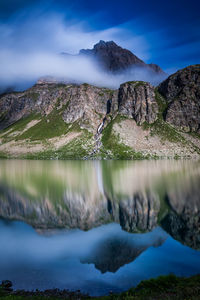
114, 58
182, 93
54, 120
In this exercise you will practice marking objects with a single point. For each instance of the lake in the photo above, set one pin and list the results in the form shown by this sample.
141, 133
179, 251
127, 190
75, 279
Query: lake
98, 226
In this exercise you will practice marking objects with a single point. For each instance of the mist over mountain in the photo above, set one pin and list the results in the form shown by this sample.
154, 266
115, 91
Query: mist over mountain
85, 77
114, 58
106, 65
34, 33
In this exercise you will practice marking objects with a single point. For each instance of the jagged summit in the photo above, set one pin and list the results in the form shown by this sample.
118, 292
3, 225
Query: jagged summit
105, 44
114, 58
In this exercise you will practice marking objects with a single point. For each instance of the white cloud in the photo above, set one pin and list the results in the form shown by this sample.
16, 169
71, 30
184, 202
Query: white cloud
30, 49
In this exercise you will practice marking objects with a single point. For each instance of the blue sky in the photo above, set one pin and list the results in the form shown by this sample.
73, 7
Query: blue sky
171, 29
163, 32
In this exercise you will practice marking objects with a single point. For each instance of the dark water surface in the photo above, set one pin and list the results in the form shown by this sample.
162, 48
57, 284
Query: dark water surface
98, 226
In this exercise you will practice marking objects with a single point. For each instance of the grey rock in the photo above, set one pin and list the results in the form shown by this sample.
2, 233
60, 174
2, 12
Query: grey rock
88, 105
114, 58
137, 101
182, 93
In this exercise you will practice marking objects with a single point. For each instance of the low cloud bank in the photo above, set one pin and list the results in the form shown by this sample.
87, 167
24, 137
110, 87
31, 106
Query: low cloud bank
31, 48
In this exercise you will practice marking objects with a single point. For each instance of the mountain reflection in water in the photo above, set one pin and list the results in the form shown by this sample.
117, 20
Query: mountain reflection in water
155, 203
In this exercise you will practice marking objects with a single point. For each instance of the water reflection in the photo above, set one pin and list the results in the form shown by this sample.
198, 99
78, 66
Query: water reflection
137, 195
148, 199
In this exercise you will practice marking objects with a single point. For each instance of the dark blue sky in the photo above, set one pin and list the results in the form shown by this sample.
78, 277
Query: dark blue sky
166, 32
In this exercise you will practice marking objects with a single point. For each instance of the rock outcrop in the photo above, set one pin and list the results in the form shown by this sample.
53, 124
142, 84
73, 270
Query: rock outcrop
38, 99
88, 104
137, 100
85, 104
50, 111
182, 93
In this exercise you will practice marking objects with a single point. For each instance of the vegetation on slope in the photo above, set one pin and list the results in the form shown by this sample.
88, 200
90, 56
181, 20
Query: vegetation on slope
164, 130
114, 148
17, 127
78, 148
49, 127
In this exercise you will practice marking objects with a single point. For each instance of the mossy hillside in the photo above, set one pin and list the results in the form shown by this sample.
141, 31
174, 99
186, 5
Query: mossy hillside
194, 134
18, 126
162, 129
114, 148
50, 126
162, 104
2, 116
78, 148
165, 131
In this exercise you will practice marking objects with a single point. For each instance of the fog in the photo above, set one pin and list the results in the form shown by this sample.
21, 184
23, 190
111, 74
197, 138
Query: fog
31, 48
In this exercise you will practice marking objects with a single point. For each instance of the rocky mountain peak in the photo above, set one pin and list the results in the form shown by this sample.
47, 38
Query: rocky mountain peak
114, 58
108, 45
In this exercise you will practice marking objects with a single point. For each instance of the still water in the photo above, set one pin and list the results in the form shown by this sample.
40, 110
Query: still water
98, 226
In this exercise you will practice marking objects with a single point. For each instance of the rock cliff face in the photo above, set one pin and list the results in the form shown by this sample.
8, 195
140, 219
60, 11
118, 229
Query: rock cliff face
116, 59
77, 103
137, 101
38, 99
182, 93
51, 110
89, 104
84, 103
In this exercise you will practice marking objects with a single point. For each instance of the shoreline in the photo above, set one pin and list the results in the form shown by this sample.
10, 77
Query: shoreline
162, 287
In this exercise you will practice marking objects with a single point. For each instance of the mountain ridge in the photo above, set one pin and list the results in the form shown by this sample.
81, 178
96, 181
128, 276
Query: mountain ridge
115, 58
65, 121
